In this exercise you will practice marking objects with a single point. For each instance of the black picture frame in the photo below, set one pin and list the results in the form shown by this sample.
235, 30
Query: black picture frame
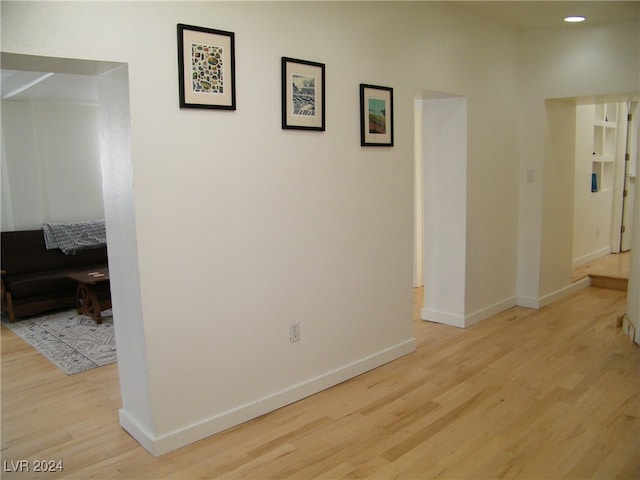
376, 116
303, 94
206, 66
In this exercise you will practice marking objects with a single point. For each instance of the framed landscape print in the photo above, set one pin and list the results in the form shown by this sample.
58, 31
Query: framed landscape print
376, 116
206, 64
303, 94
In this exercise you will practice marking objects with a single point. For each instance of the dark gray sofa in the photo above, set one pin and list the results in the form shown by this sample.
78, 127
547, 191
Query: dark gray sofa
34, 279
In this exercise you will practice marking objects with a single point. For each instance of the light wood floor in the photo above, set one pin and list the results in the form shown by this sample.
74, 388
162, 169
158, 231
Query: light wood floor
545, 394
615, 265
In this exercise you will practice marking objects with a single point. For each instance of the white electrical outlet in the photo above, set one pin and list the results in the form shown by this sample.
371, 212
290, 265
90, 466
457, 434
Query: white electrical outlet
531, 175
294, 332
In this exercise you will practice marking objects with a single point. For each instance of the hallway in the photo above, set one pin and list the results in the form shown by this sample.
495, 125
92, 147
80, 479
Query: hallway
615, 265
549, 393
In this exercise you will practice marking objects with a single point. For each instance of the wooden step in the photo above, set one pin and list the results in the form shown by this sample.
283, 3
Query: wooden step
613, 283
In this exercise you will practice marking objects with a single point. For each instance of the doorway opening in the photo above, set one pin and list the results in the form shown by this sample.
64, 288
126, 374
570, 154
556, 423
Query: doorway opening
440, 158
112, 85
606, 157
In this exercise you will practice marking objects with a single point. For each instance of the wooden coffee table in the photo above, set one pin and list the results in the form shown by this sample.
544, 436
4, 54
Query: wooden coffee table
87, 302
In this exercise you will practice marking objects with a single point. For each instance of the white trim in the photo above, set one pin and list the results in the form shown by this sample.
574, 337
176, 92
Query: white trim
564, 292
137, 431
418, 194
5, 190
528, 302
467, 320
590, 257
445, 318
159, 445
531, 302
490, 311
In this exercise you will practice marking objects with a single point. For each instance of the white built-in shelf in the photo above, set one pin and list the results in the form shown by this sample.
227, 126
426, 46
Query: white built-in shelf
604, 123
604, 147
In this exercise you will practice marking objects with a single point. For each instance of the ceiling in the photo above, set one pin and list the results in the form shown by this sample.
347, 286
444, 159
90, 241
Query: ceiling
23, 84
26, 85
533, 14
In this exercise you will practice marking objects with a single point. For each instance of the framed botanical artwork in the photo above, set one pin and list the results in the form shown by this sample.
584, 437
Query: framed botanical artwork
376, 116
206, 64
303, 94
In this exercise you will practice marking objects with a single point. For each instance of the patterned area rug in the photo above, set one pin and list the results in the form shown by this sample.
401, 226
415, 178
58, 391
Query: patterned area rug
72, 342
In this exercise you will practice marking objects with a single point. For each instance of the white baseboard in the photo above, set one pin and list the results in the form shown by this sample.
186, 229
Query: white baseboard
490, 311
144, 438
463, 321
159, 445
532, 302
528, 302
445, 318
628, 328
590, 257
564, 292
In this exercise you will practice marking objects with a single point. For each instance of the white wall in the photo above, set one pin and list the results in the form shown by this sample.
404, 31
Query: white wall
469, 249
445, 210
633, 292
52, 161
470, 170
27, 196
243, 228
633, 295
115, 156
592, 210
560, 63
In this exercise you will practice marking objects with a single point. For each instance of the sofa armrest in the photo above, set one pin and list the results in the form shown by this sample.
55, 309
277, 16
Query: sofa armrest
6, 300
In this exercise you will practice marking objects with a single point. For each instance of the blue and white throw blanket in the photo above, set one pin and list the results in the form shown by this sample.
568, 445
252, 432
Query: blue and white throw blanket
76, 236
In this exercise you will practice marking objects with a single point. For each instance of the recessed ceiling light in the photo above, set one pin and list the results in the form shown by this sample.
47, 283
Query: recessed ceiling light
575, 19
